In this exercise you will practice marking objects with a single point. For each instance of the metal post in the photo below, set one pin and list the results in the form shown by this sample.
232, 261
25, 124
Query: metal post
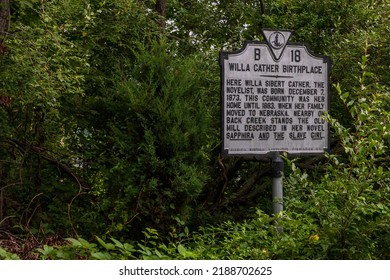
277, 185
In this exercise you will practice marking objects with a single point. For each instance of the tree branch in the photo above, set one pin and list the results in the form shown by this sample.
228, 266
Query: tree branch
262, 7
24, 147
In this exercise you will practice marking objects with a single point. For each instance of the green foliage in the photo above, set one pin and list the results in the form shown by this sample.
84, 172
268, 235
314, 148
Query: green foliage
112, 249
110, 122
4, 255
41, 71
256, 238
112, 131
349, 201
82, 249
158, 116
259, 238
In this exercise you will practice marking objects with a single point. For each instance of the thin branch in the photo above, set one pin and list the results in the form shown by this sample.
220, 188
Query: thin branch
35, 209
251, 182
6, 218
262, 7
23, 148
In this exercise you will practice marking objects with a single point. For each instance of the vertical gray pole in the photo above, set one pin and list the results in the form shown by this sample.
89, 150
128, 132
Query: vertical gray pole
277, 187
277, 183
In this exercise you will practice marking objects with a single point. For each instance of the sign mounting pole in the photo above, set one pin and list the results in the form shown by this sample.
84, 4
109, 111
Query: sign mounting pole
277, 186
277, 183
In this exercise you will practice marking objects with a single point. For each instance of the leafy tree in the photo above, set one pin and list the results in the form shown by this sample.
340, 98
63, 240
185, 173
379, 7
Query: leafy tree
109, 114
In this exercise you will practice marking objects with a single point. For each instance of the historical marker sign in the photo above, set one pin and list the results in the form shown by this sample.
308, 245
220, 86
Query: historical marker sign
273, 97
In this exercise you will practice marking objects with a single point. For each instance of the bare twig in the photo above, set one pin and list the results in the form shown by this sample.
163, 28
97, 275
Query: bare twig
25, 148
6, 218
43, 153
35, 209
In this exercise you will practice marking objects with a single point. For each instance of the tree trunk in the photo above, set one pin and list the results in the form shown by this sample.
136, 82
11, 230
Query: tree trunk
4, 18
262, 7
161, 8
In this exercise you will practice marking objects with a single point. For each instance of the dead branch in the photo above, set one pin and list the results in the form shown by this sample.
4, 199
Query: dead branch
43, 153
25, 148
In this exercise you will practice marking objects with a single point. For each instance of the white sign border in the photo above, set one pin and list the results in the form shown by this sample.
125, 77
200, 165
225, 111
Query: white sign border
269, 153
